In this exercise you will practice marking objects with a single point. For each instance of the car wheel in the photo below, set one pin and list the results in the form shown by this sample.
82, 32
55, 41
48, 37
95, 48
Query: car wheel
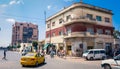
107, 67
36, 64
91, 58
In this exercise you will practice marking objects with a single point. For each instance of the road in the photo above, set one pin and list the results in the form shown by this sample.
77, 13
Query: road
13, 58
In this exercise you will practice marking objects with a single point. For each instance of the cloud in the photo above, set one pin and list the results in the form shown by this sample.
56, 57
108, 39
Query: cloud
13, 2
10, 20
49, 7
68, 0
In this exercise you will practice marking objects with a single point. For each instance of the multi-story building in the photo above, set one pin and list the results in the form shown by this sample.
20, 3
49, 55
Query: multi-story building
80, 27
24, 33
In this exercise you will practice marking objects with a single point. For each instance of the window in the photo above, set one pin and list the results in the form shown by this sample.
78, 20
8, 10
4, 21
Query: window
53, 24
99, 31
98, 18
107, 19
68, 17
90, 16
53, 34
60, 21
96, 52
48, 25
48, 35
117, 57
91, 52
102, 51
60, 32
68, 30
91, 30
107, 32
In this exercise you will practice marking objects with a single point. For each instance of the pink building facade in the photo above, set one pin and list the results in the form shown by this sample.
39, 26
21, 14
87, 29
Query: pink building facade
24, 33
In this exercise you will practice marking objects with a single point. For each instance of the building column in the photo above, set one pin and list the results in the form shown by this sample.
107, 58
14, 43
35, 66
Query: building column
65, 47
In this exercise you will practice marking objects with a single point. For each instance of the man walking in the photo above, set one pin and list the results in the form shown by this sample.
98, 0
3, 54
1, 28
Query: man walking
4, 54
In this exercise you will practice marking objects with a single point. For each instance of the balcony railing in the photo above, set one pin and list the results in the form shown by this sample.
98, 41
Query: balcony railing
86, 34
79, 34
80, 19
104, 35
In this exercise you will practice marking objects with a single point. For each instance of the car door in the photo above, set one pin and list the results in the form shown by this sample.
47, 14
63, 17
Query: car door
90, 55
96, 54
102, 54
40, 58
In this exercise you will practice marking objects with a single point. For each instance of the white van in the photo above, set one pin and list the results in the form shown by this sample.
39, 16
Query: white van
94, 54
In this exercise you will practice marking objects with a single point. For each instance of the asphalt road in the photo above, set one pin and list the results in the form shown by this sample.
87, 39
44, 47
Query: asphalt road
13, 59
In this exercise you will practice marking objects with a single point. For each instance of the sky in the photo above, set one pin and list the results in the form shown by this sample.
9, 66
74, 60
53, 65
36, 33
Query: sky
33, 11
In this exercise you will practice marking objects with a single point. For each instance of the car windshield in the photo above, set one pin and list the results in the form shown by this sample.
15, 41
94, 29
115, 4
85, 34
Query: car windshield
117, 57
30, 54
86, 51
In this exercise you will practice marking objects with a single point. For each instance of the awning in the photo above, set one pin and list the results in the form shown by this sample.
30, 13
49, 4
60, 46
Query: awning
45, 46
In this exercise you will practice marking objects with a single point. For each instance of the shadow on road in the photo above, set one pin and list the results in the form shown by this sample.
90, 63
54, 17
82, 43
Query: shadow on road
40, 65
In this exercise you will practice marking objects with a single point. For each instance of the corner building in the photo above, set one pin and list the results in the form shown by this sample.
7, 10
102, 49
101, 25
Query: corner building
80, 27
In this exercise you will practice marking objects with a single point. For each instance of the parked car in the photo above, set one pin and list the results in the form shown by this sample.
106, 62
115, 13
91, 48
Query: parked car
111, 63
94, 54
32, 59
24, 52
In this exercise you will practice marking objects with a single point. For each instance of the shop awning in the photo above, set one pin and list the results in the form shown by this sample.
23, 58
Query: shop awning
45, 46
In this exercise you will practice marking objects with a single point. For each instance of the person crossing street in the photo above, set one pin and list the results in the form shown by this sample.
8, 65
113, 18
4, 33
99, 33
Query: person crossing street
4, 54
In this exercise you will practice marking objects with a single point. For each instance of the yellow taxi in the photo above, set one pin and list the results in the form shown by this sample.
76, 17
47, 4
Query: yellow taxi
32, 59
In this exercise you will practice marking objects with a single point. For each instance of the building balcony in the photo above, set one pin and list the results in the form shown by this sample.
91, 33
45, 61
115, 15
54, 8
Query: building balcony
103, 35
80, 19
79, 34
87, 34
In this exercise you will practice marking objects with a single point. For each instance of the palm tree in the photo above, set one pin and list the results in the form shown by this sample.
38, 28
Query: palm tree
116, 34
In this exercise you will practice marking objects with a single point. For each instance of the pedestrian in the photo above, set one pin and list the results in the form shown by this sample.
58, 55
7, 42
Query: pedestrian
52, 53
4, 54
58, 53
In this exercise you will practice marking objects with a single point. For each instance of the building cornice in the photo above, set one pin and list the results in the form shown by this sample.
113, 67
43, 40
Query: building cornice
82, 5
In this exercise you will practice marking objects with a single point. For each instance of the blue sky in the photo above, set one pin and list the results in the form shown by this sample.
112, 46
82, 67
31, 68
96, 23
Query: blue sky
33, 11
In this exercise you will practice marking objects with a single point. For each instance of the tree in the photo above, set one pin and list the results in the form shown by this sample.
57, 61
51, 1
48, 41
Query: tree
35, 44
10, 47
18, 46
116, 34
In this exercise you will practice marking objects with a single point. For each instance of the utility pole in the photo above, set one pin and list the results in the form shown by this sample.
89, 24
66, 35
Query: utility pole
45, 16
